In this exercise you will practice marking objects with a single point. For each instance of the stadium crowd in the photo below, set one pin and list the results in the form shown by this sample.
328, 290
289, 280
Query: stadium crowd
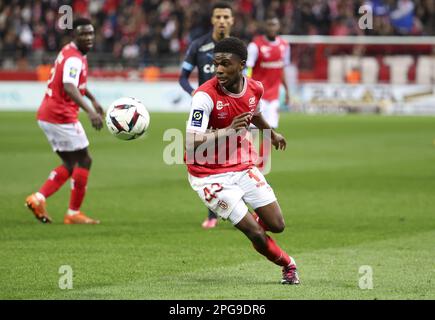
144, 30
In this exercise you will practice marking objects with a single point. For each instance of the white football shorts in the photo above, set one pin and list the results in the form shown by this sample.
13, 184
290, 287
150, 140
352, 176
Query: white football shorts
65, 136
228, 194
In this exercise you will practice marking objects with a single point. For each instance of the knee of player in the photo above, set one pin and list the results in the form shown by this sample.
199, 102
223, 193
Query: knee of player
86, 162
69, 166
278, 226
258, 236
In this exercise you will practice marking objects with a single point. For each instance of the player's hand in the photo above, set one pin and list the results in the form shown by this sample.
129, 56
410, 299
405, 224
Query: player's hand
96, 120
287, 98
241, 121
98, 108
278, 141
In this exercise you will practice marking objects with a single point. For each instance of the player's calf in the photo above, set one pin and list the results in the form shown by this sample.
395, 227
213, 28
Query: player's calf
270, 218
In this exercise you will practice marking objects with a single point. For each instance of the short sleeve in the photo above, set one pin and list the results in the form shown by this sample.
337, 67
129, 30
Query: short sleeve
259, 108
252, 55
287, 55
201, 108
71, 71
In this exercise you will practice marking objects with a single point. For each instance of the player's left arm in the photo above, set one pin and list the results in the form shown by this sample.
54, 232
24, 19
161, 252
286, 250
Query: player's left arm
284, 72
278, 140
252, 58
94, 102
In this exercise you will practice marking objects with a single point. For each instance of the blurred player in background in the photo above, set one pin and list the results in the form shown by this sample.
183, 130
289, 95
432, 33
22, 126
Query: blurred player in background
222, 109
58, 118
268, 55
200, 55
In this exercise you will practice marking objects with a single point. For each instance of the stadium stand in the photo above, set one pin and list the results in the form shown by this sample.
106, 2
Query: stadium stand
139, 33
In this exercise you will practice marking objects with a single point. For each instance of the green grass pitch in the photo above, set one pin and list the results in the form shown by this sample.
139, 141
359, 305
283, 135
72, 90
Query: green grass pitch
355, 191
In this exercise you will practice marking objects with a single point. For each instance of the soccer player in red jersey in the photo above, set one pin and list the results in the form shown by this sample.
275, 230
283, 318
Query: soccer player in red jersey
268, 55
58, 118
200, 54
220, 157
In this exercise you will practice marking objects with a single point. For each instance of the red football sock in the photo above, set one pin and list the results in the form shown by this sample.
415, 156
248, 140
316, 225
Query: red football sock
55, 180
260, 222
274, 253
79, 180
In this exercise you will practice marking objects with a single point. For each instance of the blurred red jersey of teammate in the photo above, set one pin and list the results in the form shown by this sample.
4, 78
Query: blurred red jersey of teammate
267, 60
71, 66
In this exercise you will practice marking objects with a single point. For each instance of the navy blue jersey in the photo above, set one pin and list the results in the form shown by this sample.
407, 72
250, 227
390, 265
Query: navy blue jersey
200, 55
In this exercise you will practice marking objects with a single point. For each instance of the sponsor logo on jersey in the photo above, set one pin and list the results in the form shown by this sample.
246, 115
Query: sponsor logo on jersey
265, 50
208, 68
272, 64
222, 115
206, 47
197, 116
220, 105
73, 72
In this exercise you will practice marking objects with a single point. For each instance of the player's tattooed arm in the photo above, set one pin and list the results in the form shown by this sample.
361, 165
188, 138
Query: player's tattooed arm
75, 95
278, 140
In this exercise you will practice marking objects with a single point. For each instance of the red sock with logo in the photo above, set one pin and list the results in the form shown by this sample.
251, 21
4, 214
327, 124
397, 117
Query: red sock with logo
274, 253
55, 180
79, 180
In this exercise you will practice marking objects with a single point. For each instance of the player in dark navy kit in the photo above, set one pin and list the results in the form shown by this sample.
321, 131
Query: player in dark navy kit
200, 55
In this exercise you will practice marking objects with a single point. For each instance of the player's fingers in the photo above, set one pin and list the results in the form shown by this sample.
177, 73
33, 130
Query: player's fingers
243, 115
98, 124
240, 123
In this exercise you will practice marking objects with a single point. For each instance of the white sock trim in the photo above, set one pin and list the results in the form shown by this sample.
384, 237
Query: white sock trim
71, 212
40, 196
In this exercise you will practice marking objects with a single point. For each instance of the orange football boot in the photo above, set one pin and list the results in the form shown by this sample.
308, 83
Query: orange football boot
79, 218
37, 206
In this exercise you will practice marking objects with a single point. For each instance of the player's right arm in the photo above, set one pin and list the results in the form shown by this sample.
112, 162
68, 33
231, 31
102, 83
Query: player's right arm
197, 132
187, 68
70, 80
284, 79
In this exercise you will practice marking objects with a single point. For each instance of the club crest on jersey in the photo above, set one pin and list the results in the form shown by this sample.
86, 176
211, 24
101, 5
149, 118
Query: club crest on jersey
197, 116
223, 205
73, 72
220, 105
251, 101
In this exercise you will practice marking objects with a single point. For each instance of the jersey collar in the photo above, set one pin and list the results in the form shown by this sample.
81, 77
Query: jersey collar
236, 95
274, 42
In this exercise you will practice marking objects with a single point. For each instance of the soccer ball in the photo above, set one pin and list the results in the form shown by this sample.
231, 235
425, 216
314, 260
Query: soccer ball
127, 118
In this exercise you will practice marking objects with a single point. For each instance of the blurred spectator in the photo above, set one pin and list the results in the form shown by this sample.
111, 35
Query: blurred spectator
402, 17
150, 31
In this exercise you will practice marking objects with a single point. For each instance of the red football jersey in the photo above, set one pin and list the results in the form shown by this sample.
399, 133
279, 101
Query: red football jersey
213, 107
71, 66
267, 61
